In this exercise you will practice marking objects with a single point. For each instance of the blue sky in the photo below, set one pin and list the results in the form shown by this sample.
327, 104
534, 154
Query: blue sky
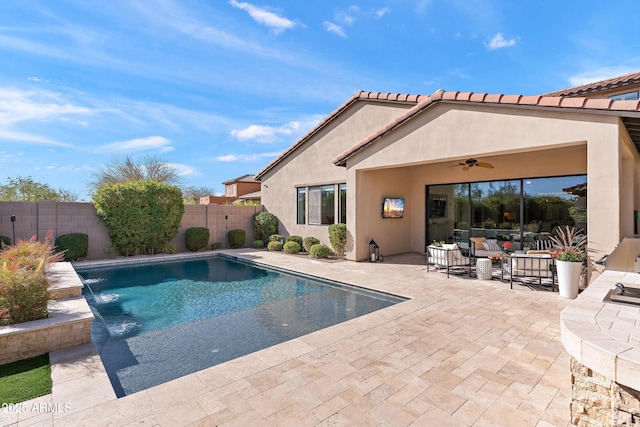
219, 88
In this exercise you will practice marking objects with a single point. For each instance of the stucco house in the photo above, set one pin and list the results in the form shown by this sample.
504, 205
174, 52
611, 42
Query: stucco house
462, 164
243, 188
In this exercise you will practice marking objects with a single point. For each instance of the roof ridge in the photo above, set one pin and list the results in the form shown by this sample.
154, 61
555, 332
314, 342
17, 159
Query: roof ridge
597, 85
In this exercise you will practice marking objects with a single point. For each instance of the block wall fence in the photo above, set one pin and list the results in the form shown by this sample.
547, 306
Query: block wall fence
37, 218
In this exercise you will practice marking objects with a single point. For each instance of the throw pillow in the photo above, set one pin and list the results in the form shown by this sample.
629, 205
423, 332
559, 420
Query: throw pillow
454, 248
491, 245
478, 242
544, 244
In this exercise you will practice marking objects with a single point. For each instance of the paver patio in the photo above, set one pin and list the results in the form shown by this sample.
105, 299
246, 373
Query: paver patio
459, 352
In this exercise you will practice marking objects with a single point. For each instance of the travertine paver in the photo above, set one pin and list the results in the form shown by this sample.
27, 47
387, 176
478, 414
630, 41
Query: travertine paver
460, 352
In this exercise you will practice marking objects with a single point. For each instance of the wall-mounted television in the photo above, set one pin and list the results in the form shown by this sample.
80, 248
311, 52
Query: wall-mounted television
392, 207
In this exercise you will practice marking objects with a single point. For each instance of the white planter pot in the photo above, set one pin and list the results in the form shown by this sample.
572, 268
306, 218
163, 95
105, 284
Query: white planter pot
568, 278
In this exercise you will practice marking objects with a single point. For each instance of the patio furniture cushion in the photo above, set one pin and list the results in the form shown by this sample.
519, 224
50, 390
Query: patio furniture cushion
534, 265
491, 245
544, 244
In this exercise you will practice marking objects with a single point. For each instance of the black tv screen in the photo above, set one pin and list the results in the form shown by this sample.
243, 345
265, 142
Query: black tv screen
392, 207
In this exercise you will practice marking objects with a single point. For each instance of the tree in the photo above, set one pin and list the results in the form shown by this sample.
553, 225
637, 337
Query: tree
127, 169
191, 195
25, 189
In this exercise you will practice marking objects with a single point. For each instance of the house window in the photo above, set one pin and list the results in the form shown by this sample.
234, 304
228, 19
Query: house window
342, 209
629, 96
321, 205
302, 202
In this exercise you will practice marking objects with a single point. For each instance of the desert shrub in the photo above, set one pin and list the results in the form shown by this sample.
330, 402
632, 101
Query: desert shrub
319, 251
276, 238
4, 241
292, 247
274, 246
216, 245
236, 238
24, 287
308, 242
171, 249
338, 238
196, 238
258, 244
142, 216
74, 245
297, 239
264, 225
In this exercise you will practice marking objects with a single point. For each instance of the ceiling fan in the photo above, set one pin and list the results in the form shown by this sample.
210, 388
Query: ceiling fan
469, 163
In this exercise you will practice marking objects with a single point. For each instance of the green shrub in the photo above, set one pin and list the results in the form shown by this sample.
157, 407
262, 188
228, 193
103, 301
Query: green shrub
171, 249
258, 244
264, 225
24, 287
274, 246
74, 245
338, 238
297, 239
276, 238
319, 251
308, 242
196, 238
292, 247
142, 216
4, 241
216, 245
236, 238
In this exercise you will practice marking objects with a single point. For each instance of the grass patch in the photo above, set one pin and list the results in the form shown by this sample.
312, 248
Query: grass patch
25, 379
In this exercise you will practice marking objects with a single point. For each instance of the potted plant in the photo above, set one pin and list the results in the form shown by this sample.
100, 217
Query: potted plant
570, 254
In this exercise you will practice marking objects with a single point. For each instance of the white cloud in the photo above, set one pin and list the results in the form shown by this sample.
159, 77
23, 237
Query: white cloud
227, 158
138, 144
185, 170
265, 134
334, 28
265, 17
245, 157
498, 42
382, 12
602, 73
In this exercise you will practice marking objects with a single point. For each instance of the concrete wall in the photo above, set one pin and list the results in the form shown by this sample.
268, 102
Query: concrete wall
37, 218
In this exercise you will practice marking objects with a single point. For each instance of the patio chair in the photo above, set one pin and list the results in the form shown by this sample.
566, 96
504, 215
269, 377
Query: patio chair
448, 257
534, 264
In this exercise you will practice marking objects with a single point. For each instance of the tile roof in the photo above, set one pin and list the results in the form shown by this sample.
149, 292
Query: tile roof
612, 83
358, 96
243, 178
625, 109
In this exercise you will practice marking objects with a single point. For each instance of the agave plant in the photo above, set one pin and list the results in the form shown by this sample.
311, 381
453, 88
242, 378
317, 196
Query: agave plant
570, 243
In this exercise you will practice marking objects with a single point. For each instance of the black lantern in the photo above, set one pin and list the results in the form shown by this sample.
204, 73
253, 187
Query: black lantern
374, 251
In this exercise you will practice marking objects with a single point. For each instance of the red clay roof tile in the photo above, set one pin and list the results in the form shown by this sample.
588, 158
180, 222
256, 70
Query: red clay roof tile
611, 83
530, 100
550, 101
493, 97
598, 103
464, 96
478, 97
572, 102
450, 95
625, 105
511, 99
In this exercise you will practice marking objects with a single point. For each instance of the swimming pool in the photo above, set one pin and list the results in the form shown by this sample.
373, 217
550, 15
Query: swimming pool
161, 321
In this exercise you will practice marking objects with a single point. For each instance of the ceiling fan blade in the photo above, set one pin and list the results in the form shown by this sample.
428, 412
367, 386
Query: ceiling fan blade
457, 164
484, 165
466, 168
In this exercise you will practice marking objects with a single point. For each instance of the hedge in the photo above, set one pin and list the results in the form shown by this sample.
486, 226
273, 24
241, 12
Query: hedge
74, 245
196, 238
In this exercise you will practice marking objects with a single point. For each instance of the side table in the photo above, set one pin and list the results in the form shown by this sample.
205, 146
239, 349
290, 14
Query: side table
483, 268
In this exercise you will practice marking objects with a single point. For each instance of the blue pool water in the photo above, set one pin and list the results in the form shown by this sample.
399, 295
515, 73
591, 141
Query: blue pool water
161, 321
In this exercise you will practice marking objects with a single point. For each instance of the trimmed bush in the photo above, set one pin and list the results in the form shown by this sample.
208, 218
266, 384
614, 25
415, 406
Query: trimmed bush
291, 247
297, 239
142, 216
276, 238
308, 242
274, 246
264, 225
4, 241
196, 238
74, 245
216, 245
319, 251
258, 244
236, 238
338, 238
171, 249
